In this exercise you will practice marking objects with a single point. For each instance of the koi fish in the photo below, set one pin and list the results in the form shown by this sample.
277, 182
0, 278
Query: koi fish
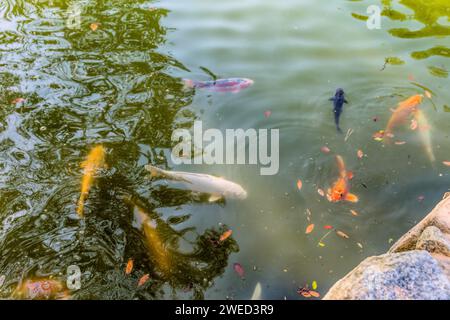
217, 187
257, 292
424, 131
94, 161
340, 189
220, 85
154, 243
338, 103
403, 111
41, 289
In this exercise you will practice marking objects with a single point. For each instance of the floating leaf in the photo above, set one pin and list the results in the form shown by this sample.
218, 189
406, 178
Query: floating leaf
328, 227
299, 184
413, 125
354, 213
325, 149
129, 266
342, 234
394, 61
359, 245
428, 94
399, 143
321, 192
226, 235
446, 108
267, 113
239, 269
143, 279
94, 26
446, 163
18, 100
321, 244
360, 154
314, 294
438, 72
314, 285
309, 228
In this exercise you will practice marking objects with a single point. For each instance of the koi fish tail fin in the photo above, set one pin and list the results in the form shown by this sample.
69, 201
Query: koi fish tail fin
188, 84
154, 171
336, 121
80, 207
351, 197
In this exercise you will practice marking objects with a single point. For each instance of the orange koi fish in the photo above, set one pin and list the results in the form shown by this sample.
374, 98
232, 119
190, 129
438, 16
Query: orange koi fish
340, 189
94, 161
154, 243
41, 289
403, 111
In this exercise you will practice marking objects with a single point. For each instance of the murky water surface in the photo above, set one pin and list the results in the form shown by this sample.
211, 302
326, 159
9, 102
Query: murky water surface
115, 80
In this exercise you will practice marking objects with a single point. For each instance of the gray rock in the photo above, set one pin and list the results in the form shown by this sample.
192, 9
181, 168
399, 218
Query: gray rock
394, 276
433, 241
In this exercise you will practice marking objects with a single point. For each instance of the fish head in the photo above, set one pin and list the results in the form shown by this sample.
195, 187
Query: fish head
245, 83
237, 193
339, 92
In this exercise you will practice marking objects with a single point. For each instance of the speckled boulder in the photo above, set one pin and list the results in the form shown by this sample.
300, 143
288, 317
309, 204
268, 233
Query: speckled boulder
394, 276
434, 241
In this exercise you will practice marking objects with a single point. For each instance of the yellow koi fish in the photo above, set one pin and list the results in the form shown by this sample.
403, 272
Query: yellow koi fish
94, 161
143, 222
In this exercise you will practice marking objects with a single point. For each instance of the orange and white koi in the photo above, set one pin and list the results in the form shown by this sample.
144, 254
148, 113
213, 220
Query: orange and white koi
94, 161
404, 110
340, 189
41, 289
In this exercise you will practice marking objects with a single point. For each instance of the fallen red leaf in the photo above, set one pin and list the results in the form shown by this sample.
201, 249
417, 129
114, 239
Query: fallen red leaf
143, 279
309, 228
267, 113
226, 235
239, 269
328, 227
299, 184
325, 149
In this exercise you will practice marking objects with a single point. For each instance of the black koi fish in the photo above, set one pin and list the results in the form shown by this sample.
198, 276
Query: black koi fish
338, 103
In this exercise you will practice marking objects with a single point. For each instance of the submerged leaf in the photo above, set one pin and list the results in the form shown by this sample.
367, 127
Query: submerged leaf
143, 279
299, 184
226, 235
239, 269
342, 234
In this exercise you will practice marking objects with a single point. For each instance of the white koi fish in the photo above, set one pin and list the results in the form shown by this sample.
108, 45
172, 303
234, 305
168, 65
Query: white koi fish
217, 187
424, 129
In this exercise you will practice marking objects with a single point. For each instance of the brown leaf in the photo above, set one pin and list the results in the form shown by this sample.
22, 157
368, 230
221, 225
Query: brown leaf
342, 234
355, 213
309, 228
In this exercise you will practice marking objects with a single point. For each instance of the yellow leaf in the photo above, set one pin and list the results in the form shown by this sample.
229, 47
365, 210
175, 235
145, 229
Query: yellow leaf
321, 244
314, 285
94, 26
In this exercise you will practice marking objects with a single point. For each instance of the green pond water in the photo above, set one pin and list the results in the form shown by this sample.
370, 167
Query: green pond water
120, 86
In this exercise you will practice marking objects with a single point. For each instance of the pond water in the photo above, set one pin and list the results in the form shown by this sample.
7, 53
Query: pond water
114, 80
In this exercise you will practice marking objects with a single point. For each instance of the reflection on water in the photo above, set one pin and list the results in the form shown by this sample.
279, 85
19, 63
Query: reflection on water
62, 91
